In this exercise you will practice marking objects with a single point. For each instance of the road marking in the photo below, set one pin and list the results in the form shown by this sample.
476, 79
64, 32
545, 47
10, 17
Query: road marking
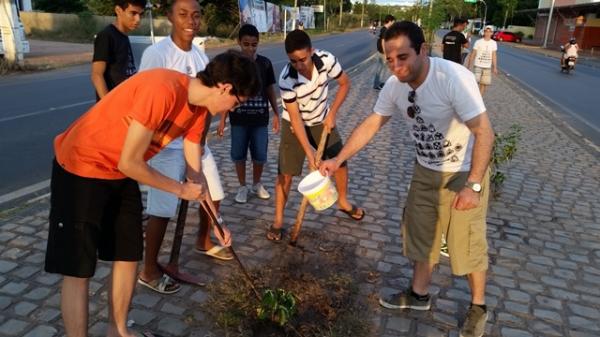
45, 111
24, 191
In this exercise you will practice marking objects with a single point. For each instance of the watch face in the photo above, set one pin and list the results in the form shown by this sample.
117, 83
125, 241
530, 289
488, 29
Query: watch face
477, 187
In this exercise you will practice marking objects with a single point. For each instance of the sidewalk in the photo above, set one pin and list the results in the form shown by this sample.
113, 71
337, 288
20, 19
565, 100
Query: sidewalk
544, 237
57, 54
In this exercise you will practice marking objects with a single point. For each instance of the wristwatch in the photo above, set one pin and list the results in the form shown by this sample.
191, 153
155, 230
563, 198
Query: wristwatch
476, 187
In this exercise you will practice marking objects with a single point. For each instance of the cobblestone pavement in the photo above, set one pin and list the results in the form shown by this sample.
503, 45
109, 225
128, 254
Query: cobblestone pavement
544, 236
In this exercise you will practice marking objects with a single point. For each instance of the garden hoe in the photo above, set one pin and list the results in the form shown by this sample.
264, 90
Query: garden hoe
304, 204
172, 268
218, 221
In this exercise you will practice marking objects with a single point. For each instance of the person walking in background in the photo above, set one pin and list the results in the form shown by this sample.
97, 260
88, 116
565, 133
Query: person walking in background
484, 60
177, 52
113, 60
304, 84
250, 121
454, 41
95, 203
380, 68
449, 188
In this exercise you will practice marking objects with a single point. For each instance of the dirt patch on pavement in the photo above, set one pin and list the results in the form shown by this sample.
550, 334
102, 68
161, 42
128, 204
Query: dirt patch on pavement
322, 278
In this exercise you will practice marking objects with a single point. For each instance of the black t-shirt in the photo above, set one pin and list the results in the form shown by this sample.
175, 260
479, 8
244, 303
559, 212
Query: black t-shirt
255, 111
380, 39
113, 47
453, 42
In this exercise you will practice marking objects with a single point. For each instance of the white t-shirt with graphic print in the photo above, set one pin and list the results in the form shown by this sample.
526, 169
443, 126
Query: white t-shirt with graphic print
447, 98
483, 58
311, 95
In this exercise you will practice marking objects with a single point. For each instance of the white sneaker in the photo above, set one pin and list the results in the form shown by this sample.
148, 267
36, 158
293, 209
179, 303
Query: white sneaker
260, 191
242, 195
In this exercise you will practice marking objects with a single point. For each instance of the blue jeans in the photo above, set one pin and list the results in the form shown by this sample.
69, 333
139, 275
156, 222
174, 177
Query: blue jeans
254, 137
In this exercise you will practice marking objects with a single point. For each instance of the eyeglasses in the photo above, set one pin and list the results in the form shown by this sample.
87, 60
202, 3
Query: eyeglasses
239, 101
414, 109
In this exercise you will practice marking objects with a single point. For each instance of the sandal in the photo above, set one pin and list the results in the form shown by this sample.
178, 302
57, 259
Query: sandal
163, 285
218, 252
275, 234
354, 213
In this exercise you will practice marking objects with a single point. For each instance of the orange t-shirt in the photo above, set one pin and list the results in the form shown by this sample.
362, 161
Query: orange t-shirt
158, 99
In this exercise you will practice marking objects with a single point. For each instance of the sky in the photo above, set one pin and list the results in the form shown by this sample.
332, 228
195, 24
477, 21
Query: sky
395, 2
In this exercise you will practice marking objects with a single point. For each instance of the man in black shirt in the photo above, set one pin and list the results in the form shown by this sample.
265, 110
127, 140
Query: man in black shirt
381, 68
113, 60
454, 41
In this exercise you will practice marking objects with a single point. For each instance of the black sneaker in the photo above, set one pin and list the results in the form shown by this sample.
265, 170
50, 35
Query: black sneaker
405, 300
474, 325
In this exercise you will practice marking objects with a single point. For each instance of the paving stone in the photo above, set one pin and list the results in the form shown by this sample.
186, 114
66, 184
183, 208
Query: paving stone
5, 301
172, 309
24, 308
426, 330
516, 308
544, 329
38, 293
583, 323
549, 302
47, 314
14, 288
518, 296
6, 236
13, 327
510, 332
141, 317
172, 326
547, 315
42, 331
25, 272
510, 319
199, 296
400, 324
6, 266
146, 300
584, 311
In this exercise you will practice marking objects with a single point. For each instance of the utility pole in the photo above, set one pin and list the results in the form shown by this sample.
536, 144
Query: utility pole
341, 8
10, 30
362, 15
548, 25
325, 15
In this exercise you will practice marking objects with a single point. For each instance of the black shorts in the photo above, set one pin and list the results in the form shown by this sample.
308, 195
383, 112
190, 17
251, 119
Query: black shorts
291, 154
91, 219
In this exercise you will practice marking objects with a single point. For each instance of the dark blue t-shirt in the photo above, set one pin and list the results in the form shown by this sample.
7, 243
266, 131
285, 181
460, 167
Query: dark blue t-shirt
255, 111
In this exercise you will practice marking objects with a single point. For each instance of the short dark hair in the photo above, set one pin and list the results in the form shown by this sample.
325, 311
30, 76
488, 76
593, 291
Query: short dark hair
125, 3
297, 40
234, 68
458, 21
248, 30
409, 29
388, 18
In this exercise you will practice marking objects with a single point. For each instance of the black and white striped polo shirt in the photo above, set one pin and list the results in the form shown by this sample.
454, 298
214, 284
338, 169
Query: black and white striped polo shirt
311, 95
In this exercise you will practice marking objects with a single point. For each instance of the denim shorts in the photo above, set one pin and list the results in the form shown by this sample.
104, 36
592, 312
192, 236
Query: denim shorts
254, 137
171, 163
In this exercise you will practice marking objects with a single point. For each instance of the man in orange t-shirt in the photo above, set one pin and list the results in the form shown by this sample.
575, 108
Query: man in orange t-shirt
95, 199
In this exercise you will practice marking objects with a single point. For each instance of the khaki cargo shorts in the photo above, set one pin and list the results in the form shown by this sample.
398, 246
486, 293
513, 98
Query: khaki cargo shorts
429, 214
483, 75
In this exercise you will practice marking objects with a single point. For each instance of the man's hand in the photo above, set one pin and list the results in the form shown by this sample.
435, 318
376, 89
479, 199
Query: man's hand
276, 124
328, 167
495, 71
221, 127
311, 157
193, 191
466, 199
329, 122
225, 239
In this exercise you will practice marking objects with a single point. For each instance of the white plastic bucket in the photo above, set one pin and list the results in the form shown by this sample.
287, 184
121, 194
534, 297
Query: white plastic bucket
319, 190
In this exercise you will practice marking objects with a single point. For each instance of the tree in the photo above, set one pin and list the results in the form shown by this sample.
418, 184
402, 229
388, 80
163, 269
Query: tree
60, 6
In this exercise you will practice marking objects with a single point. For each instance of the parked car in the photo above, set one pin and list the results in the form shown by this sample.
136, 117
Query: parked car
506, 36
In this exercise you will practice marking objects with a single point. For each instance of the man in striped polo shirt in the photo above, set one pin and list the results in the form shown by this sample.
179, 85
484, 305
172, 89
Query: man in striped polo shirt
304, 85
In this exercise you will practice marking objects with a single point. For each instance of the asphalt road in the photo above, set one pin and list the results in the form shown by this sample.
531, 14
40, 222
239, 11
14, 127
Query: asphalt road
575, 95
35, 107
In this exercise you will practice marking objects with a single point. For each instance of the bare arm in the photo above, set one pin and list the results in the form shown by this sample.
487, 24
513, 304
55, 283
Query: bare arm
97, 76
471, 58
132, 164
340, 96
360, 137
494, 63
482, 130
272, 96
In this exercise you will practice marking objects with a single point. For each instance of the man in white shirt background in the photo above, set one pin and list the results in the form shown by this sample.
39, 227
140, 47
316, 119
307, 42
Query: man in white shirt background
484, 59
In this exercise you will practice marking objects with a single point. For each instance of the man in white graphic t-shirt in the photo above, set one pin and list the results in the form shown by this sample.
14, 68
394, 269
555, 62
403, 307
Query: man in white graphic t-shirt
448, 192
483, 58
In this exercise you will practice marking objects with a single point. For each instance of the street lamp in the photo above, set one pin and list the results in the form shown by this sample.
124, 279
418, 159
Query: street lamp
548, 25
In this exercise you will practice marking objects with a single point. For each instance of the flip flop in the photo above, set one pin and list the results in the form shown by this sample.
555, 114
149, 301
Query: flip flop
218, 252
275, 234
163, 285
354, 214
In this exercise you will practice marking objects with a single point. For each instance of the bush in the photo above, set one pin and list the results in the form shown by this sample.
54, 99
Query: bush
505, 147
520, 34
